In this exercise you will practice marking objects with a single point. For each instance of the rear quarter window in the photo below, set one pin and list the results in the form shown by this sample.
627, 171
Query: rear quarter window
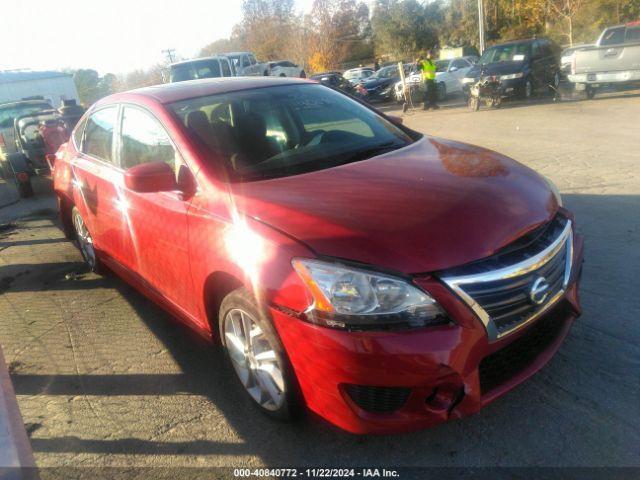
98, 138
632, 35
77, 134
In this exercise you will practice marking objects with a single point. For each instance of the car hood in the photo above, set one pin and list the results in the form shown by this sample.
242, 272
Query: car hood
378, 82
498, 68
431, 205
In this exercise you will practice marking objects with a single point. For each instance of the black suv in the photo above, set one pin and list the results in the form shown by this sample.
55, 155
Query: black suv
524, 67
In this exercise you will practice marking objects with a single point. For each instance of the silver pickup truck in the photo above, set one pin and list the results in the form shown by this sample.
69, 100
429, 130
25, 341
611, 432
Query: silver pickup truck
614, 59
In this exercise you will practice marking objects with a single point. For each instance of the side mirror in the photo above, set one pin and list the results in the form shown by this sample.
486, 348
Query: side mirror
395, 119
150, 177
453, 69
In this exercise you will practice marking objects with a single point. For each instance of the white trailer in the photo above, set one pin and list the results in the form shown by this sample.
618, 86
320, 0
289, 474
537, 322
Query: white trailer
53, 86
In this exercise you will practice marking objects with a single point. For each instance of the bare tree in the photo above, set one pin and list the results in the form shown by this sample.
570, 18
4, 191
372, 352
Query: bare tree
568, 10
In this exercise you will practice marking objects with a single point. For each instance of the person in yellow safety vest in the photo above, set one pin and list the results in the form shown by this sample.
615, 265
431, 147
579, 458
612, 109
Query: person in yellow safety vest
428, 68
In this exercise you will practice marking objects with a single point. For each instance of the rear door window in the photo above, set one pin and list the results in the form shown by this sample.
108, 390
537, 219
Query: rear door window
145, 140
613, 36
98, 137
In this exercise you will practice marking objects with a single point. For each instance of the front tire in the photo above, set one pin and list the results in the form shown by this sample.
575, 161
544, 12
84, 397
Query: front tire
528, 89
441, 92
257, 356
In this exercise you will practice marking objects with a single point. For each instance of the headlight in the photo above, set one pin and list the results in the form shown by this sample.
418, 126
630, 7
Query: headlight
350, 298
554, 189
468, 80
511, 76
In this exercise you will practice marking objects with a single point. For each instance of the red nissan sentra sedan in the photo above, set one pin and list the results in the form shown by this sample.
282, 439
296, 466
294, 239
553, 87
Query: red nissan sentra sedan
385, 279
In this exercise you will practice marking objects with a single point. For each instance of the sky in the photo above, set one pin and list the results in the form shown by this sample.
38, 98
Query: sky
110, 36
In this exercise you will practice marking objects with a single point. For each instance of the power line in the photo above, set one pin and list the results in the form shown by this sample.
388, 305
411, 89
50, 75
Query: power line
169, 52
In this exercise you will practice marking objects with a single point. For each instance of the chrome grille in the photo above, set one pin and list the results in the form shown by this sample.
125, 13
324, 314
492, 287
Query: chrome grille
517, 285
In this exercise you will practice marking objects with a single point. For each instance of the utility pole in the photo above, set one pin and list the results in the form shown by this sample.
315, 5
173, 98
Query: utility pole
481, 24
169, 53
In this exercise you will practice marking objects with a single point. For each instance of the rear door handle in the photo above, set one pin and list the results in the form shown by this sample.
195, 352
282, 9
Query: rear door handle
610, 52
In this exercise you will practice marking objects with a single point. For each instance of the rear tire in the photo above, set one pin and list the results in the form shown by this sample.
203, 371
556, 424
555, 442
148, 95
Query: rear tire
591, 92
303, 74
84, 241
258, 359
25, 189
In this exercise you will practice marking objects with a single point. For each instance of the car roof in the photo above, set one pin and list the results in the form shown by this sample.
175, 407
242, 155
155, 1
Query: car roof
175, 92
24, 102
519, 42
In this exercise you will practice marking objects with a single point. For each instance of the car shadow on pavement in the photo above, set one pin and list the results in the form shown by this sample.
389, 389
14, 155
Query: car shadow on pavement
567, 403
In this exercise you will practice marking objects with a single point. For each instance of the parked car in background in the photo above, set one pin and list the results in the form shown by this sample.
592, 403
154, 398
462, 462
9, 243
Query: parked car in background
286, 68
358, 75
385, 279
334, 80
525, 68
566, 59
8, 113
246, 65
14, 166
449, 75
36, 135
380, 85
209, 67
614, 59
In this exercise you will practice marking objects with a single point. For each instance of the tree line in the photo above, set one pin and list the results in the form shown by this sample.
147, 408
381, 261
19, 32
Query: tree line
337, 34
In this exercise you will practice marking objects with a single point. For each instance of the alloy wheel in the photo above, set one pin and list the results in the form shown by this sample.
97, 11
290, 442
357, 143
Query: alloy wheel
254, 359
85, 242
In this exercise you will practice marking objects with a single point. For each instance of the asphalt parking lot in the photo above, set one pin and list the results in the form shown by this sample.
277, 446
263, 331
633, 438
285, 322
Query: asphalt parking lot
105, 378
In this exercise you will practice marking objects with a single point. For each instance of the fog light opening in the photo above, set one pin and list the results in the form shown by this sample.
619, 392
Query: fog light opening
444, 399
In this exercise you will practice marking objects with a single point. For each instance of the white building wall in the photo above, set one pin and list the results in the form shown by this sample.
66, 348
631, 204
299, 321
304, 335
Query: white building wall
53, 89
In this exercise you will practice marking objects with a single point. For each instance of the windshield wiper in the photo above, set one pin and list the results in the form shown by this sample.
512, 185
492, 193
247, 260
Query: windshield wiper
374, 151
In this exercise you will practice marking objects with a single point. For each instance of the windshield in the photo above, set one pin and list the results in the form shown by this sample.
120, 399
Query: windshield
286, 130
358, 74
7, 114
386, 72
505, 53
195, 70
442, 65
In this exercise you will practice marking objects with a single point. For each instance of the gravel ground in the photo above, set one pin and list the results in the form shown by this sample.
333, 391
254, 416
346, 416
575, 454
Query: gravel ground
105, 378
